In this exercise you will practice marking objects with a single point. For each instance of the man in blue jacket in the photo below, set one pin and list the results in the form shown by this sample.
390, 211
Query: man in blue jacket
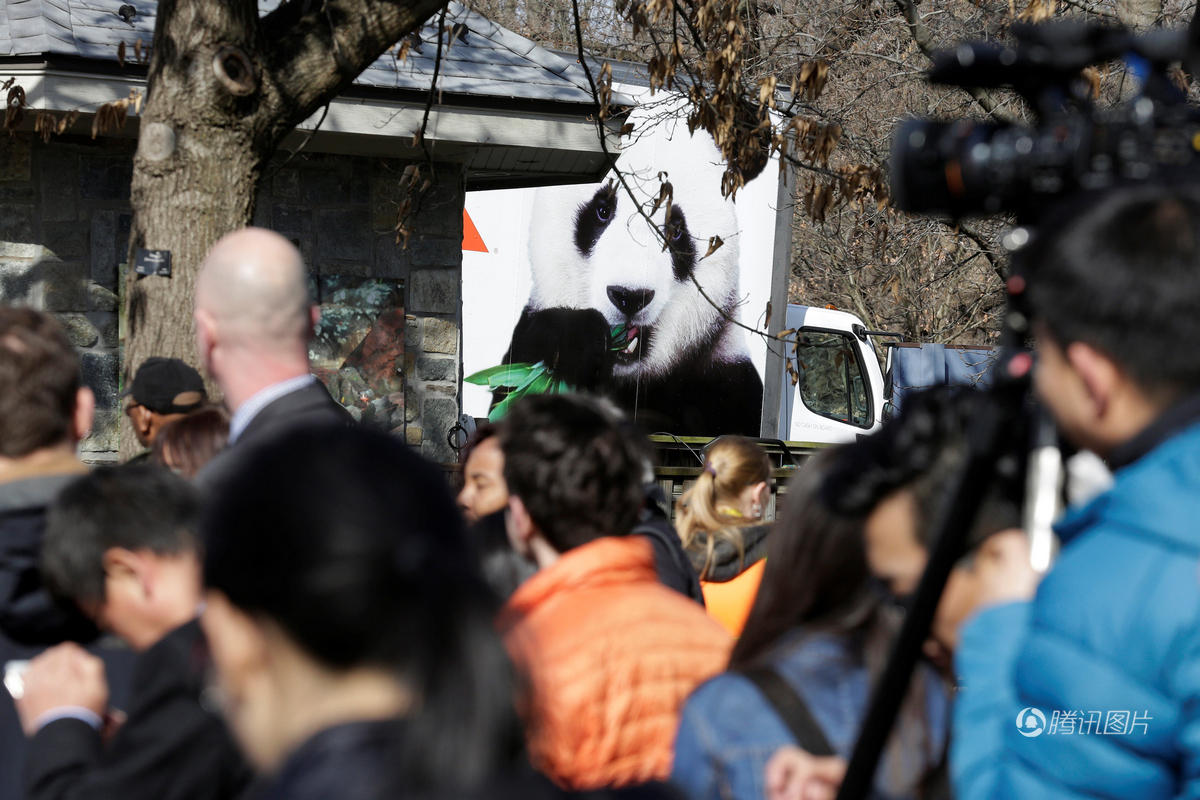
1092, 688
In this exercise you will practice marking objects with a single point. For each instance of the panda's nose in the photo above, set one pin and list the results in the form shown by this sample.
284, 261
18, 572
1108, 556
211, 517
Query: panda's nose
630, 301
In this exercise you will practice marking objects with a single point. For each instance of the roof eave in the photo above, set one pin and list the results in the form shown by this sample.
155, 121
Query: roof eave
502, 141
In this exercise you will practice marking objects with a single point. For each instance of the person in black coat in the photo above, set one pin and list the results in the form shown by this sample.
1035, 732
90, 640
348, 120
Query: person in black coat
254, 320
364, 665
44, 412
120, 543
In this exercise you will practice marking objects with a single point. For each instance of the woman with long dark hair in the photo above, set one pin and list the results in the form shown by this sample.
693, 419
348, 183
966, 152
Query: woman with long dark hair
351, 628
820, 628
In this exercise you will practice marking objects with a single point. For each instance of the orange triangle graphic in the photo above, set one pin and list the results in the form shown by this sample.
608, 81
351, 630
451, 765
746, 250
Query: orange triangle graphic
471, 238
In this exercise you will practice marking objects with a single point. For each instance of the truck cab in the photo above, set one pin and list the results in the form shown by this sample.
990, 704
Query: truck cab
833, 386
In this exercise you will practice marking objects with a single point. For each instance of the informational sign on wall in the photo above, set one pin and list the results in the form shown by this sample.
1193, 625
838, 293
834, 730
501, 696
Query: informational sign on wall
640, 297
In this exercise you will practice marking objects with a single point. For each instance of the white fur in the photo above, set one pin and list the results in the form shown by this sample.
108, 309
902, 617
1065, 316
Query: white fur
630, 255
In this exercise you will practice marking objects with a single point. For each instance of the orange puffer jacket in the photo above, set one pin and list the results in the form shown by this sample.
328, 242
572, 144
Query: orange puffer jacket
611, 655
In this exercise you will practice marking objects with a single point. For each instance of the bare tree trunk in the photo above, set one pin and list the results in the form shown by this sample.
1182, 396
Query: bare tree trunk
225, 87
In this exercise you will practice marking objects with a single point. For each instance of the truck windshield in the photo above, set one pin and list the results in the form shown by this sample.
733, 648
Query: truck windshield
831, 379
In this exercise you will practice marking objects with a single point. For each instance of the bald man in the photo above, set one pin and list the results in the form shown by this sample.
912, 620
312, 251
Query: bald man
254, 320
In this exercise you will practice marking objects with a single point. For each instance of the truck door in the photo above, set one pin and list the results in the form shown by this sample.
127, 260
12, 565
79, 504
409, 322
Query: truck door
838, 390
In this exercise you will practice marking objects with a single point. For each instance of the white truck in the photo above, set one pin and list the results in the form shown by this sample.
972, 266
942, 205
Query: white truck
835, 386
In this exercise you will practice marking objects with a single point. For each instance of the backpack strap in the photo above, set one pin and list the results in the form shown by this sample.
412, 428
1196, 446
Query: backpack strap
790, 707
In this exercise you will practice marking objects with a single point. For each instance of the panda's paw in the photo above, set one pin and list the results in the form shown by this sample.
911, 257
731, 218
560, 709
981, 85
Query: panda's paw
574, 343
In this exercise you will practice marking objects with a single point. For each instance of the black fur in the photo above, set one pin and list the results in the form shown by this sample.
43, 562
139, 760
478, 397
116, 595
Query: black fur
573, 342
698, 398
593, 217
682, 245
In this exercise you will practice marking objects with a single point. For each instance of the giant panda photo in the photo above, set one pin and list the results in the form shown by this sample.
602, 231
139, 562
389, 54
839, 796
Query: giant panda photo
615, 306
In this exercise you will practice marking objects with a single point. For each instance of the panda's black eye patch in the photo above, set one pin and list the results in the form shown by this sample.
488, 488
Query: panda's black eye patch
680, 243
592, 217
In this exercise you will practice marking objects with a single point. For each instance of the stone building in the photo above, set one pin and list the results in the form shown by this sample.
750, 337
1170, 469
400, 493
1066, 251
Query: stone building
507, 114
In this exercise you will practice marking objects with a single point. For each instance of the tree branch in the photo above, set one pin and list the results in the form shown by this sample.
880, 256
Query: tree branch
985, 247
314, 50
988, 101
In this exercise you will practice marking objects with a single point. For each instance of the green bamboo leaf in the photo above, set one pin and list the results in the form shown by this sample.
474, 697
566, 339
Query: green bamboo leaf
535, 372
500, 409
504, 375
540, 384
484, 376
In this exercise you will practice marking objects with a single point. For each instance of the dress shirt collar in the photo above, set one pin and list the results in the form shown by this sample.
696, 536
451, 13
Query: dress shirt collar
260, 400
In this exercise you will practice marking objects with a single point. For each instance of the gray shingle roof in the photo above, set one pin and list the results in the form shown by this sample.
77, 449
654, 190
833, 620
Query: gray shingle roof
489, 61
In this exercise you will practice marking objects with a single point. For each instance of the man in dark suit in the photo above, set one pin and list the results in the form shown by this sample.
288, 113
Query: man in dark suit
254, 320
120, 544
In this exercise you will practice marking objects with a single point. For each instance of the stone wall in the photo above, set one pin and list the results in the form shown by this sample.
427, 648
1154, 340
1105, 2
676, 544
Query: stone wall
64, 226
388, 345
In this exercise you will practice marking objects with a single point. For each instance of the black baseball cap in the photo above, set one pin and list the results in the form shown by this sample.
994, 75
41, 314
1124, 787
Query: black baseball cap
167, 386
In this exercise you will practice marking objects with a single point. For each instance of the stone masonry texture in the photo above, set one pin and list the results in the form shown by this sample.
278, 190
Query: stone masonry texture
65, 222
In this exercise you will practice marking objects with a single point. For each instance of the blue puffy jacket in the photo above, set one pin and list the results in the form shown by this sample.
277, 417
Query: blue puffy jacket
1093, 688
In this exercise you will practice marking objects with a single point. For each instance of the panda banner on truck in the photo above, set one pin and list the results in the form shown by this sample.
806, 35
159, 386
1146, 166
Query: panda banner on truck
570, 287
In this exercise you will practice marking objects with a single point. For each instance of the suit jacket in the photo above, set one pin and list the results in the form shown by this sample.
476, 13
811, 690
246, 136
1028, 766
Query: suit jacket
170, 748
307, 407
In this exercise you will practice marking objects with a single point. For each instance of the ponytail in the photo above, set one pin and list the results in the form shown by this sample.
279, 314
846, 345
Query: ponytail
731, 464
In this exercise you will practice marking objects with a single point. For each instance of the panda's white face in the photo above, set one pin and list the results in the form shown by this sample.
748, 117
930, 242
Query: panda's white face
592, 248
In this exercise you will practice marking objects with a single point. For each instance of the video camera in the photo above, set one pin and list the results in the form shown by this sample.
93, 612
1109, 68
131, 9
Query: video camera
966, 167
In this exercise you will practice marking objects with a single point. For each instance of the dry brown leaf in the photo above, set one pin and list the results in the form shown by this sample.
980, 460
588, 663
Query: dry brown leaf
44, 125
121, 54
766, 92
14, 111
110, 117
1091, 76
666, 194
66, 121
1038, 11
714, 244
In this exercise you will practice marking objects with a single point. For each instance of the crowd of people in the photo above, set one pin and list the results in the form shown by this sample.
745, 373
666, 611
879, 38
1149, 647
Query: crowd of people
273, 602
